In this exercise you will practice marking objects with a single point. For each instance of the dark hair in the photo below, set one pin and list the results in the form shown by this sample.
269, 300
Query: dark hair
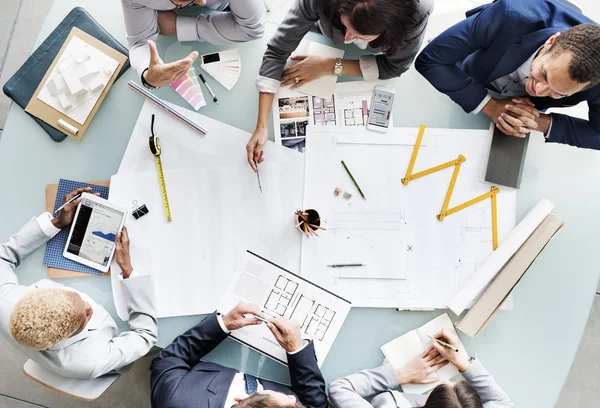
584, 42
462, 395
390, 19
258, 400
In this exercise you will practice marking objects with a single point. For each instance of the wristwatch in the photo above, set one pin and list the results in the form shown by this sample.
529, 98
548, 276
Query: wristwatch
337, 69
146, 84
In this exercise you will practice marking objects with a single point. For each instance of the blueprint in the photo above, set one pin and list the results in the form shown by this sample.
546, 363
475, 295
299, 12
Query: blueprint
410, 258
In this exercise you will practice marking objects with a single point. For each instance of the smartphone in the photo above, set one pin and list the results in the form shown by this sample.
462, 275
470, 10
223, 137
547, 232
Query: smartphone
380, 113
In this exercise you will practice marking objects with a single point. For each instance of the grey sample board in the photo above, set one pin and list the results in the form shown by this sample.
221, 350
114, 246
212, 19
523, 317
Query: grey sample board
507, 158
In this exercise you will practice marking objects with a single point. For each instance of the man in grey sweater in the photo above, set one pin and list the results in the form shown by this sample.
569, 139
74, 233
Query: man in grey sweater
227, 21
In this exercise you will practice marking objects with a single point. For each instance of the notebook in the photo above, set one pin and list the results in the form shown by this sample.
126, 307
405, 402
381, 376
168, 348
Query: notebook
53, 257
23, 84
403, 349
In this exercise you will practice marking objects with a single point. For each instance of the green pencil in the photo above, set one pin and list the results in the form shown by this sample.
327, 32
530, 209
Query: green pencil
352, 177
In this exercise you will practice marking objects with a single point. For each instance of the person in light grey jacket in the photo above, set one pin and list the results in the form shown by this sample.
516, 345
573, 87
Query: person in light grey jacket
374, 388
393, 30
227, 21
62, 329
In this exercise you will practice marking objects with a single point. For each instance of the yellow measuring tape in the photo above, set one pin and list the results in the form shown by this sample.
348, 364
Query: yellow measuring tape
154, 146
456, 163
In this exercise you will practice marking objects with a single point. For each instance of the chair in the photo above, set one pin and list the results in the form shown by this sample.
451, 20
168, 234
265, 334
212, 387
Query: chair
87, 390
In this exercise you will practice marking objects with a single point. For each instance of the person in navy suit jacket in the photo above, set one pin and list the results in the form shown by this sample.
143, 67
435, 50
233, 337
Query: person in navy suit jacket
513, 59
180, 380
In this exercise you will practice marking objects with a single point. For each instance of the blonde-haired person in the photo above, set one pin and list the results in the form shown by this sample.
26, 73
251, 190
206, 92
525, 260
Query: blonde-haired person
65, 330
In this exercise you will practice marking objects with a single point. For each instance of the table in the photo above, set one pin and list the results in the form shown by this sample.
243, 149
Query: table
528, 348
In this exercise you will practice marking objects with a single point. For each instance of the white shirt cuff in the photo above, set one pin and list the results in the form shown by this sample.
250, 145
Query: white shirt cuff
222, 324
268, 85
45, 223
300, 349
186, 28
139, 58
369, 68
547, 135
482, 104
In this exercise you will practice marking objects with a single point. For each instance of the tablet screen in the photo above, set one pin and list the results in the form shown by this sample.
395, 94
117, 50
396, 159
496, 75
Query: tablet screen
94, 232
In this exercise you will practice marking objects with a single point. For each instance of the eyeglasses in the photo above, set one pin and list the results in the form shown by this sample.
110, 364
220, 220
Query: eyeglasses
181, 6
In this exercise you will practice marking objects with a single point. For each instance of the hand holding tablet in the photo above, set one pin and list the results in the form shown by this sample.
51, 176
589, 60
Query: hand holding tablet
96, 224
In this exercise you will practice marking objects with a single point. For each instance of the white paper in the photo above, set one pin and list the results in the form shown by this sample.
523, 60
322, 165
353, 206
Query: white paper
403, 349
280, 293
80, 106
227, 70
323, 86
412, 259
496, 261
217, 214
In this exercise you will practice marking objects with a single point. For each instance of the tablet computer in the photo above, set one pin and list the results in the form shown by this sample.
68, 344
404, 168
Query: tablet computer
94, 231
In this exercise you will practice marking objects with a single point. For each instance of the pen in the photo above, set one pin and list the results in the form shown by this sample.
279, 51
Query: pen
443, 343
67, 203
344, 265
353, 180
209, 90
258, 318
258, 175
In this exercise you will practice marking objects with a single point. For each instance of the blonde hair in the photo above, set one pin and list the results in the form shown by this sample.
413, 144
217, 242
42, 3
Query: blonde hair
44, 317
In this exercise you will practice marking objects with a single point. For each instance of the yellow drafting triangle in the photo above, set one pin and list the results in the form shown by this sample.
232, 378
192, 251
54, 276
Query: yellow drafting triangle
456, 163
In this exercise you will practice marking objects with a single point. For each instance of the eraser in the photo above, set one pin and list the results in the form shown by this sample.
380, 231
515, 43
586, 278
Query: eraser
68, 127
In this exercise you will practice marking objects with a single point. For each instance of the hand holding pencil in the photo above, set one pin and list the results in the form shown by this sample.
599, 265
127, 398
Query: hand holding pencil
450, 350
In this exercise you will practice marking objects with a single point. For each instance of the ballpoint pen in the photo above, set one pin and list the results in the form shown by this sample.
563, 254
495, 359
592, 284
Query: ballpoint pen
258, 318
258, 175
345, 265
67, 203
443, 343
209, 90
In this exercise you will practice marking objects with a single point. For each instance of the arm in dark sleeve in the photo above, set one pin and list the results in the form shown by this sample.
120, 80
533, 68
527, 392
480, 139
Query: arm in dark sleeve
306, 377
575, 131
440, 61
178, 358
300, 18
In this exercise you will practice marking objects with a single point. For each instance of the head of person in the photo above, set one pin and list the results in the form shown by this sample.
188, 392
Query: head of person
269, 399
45, 317
568, 63
382, 23
454, 395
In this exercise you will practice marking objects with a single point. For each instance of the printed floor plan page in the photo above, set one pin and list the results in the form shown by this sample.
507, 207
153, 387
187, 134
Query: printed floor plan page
280, 293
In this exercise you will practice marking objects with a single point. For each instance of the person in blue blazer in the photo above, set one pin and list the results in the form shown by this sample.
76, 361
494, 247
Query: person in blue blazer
179, 379
513, 59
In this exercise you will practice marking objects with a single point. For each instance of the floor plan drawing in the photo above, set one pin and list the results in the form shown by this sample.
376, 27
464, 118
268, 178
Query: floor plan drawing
314, 318
281, 296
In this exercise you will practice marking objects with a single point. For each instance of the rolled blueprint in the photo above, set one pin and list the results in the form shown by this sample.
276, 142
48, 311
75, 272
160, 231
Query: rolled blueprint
496, 261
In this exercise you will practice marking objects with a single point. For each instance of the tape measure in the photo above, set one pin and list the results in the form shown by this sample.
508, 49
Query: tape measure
154, 146
456, 163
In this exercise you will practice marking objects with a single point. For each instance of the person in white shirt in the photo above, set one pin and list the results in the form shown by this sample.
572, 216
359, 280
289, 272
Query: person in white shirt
228, 21
62, 329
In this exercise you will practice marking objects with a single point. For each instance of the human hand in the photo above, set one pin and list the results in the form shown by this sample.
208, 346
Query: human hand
167, 22
516, 119
161, 74
287, 333
455, 358
65, 216
236, 318
417, 370
122, 255
308, 69
255, 146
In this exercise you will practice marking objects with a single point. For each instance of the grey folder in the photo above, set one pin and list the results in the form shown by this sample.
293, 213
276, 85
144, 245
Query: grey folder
507, 158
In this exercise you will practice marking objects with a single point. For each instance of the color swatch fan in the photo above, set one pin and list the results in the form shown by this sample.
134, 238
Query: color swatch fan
189, 89
224, 66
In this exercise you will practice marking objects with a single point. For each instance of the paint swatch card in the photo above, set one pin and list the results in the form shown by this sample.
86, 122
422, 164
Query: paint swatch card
189, 89
224, 66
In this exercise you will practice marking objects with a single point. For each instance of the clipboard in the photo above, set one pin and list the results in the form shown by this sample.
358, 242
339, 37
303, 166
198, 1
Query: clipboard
55, 273
50, 115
